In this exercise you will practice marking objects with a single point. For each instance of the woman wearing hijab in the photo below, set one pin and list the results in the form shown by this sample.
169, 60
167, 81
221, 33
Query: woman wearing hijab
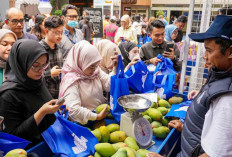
130, 53
126, 32
171, 32
85, 82
7, 39
107, 49
26, 103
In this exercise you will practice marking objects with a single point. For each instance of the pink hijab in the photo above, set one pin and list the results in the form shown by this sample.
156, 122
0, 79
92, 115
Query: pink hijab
80, 57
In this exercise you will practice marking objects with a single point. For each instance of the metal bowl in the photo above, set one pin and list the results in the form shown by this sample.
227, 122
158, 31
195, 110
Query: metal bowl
134, 103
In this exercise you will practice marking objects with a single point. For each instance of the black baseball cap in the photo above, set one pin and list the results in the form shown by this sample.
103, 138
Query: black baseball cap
220, 28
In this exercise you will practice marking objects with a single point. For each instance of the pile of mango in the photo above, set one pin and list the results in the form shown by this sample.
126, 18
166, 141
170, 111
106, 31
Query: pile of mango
16, 153
155, 115
115, 143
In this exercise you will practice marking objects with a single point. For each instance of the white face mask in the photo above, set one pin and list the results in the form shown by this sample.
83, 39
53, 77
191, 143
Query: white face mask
133, 55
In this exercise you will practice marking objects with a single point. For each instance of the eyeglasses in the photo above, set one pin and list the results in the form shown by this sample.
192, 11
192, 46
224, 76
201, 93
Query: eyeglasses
57, 33
15, 21
72, 16
37, 68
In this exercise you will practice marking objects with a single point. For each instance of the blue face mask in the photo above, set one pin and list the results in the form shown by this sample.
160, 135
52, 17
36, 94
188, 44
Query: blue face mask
72, 24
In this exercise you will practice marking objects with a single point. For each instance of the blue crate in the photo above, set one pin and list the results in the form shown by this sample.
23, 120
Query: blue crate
169, 146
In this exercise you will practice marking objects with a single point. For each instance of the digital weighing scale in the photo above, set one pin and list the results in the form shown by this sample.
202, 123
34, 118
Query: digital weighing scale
133, 123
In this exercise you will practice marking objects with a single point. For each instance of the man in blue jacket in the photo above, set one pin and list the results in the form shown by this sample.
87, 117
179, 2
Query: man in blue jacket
207, 128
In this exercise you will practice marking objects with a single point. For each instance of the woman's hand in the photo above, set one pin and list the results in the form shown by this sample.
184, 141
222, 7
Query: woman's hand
177, 124
192, 94
102, 114
115, 61
48, 108
133, 62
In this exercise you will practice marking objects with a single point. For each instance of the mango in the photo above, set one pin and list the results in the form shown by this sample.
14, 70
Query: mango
154, 105
119, 145
130, 152
163, 110
105, 134
158, 98
105, 149
113, 127
110, 116
155, 124
16, 153
97, 134
165, 121
154, 114
175, 100
120, 153
136, 153
117, 136
101, 107
143, 152
148, 118
164, 103
161, 132
98, 124
96, 154
131, 142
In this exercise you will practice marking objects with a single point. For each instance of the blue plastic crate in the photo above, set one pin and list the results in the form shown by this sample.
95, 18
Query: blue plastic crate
168, 146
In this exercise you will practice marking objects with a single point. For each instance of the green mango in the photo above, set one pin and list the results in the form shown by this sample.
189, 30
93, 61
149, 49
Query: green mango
130, 152
175, 100
96, 154
131, 142
117, 136
119, 145
154, 114
165, 121
143, 152
155, 124
101, 107
164, 103
16, 153
158, 98
105, 134
154, 105
163, 110
120, 153
148, 118
97, 134
105, 149
113, 127
161, 132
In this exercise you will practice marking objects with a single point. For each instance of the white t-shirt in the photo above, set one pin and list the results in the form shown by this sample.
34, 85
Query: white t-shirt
216, 138
138, 27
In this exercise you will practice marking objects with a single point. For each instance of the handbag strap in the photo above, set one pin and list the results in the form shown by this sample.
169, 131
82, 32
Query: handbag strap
120, 68
63, 112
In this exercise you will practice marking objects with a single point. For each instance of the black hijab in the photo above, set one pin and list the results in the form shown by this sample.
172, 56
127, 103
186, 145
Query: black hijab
23, 54
125, 48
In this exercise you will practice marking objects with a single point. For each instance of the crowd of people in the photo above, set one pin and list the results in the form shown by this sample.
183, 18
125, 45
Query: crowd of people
57, 58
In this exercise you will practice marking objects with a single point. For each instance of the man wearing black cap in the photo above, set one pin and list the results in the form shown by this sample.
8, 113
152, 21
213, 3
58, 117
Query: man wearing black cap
207, 127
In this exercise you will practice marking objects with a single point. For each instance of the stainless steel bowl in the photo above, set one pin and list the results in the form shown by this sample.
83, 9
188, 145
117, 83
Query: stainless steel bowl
134, 103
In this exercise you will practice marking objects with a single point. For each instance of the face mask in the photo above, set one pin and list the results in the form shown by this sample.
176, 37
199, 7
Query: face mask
72, 24
133, 55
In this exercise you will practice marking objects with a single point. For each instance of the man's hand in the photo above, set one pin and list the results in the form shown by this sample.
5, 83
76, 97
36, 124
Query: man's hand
169, 54
155, 60
152, 154
177, 124
192, 94
55, 71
